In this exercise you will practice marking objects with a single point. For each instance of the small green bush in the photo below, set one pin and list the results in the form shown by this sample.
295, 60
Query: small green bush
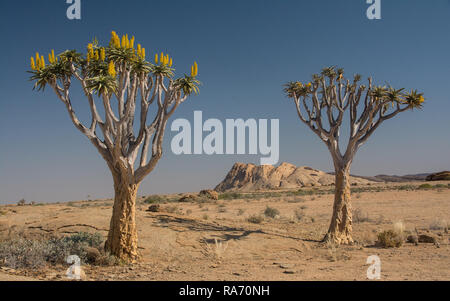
271, 212
390, 239
154, 199
440, 186
426, 186
405, 187
230, 196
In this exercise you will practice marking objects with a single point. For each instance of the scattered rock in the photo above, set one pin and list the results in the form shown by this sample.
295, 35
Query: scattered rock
290, 272
286, 266
210, 194
413, 239
188, 198
427, 238
154, 208
93, 255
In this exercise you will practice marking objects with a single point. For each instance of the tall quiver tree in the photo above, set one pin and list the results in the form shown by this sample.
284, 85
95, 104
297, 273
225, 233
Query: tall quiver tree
322, 104
120, 78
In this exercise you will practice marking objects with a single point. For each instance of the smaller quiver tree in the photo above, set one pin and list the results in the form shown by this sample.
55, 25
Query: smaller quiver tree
322, 104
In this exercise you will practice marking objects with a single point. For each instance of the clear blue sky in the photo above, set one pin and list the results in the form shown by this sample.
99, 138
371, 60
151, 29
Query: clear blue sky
246, 50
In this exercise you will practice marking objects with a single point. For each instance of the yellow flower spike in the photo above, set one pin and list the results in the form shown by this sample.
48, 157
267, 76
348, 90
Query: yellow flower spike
50, 59
32, 64
42, 62
143, 53
53, 56
132, 42
195, 69
161, 58
102, 54
139, 50
112, 69
156, 58
124, 42
38, 64
97, 57
171, 62
192, 71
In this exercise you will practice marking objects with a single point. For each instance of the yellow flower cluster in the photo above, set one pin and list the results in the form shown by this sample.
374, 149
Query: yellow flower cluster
39, 63
141, 51
51, 57
125, 42
194, 70
421, 99
112, 69
95, 55
164, 59
115, 39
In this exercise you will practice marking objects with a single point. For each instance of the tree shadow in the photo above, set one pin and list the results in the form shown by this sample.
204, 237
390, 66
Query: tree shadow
179, 224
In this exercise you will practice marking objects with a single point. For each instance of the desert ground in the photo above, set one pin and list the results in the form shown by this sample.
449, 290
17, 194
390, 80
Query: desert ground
216, 240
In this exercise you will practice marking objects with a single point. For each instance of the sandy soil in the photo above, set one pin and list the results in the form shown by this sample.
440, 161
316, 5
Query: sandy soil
182, 245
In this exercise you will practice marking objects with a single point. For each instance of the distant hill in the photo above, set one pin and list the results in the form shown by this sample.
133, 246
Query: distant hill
250, 177
397, 179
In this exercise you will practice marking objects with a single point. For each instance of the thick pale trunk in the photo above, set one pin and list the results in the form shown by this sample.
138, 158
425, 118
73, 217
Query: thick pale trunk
122, 240
340, 231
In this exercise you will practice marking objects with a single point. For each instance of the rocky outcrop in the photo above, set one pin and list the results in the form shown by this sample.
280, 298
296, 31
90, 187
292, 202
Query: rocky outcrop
250, 177
209, 194
440, 176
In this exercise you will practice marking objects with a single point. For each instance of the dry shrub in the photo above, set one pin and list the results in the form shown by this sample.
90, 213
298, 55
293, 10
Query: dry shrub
216, 250
271, 212
299, 214
360, 216
439, 224
255, 219
22, 252
389, 239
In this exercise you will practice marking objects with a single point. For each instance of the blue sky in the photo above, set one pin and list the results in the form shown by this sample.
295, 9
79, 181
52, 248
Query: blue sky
246, 51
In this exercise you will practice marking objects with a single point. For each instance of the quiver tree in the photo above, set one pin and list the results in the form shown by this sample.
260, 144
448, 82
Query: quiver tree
120, 78
322, 104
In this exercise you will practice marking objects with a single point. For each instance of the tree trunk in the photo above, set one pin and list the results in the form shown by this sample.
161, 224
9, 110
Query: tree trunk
340, 231
122, 237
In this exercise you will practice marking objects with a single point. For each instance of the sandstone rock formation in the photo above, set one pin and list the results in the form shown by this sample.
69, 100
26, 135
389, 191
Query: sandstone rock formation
250, 177
209, 194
